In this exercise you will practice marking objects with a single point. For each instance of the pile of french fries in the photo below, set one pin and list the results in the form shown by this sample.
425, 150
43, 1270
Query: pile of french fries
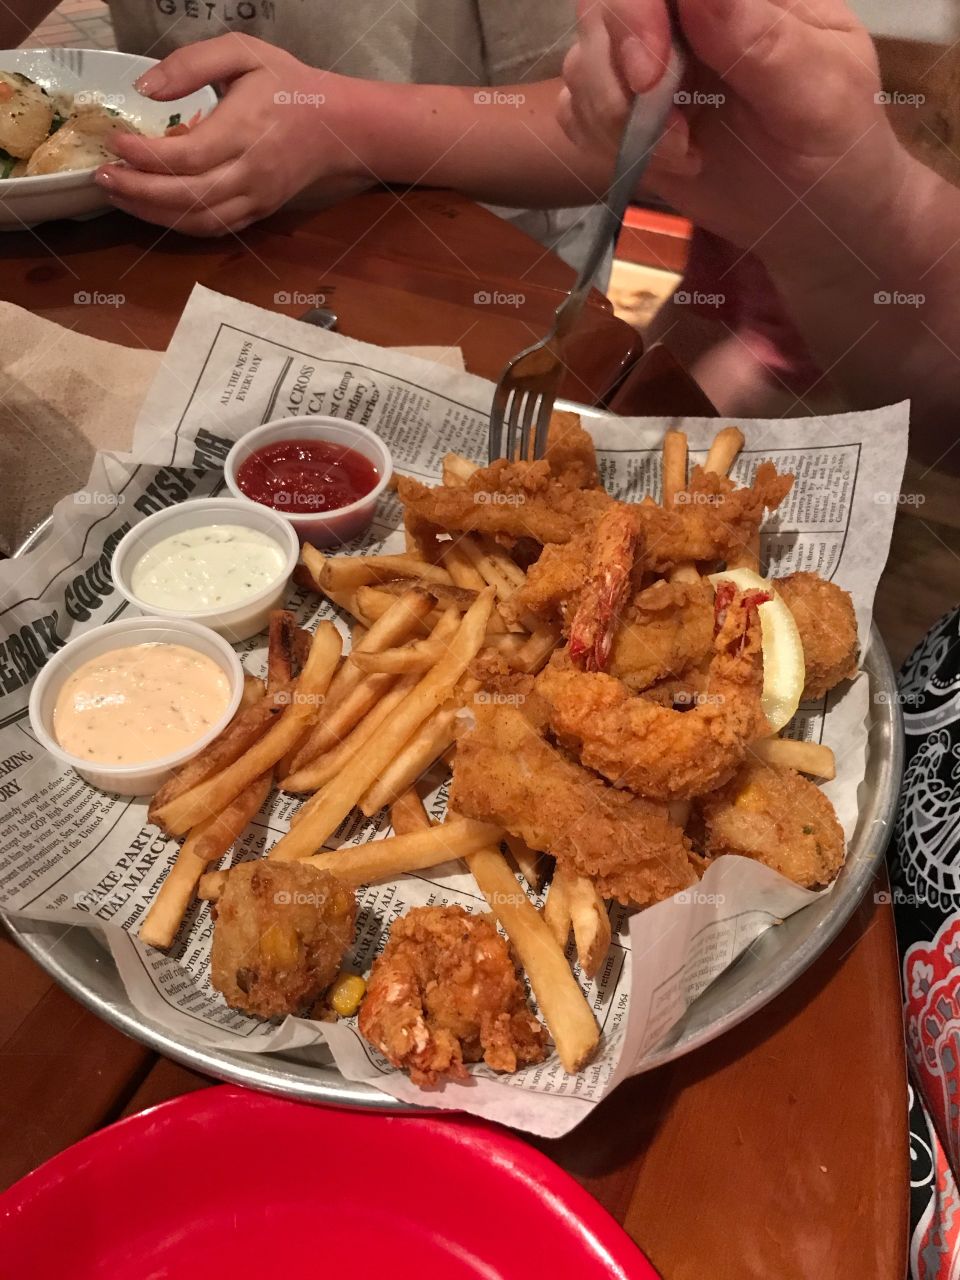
358, 729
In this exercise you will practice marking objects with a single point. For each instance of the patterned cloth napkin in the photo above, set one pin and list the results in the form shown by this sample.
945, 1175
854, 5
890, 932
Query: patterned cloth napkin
925, 874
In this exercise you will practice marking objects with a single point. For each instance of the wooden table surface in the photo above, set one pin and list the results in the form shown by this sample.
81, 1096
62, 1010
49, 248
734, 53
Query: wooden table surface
779, 1150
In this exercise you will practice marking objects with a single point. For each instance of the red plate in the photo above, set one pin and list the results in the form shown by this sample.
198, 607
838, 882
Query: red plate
225, 1184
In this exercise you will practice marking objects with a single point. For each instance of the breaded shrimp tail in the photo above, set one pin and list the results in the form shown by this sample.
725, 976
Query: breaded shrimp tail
654, 750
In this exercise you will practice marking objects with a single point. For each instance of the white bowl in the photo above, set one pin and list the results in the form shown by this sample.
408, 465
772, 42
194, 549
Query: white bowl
322, 528
102, 76
240, 621
129, 779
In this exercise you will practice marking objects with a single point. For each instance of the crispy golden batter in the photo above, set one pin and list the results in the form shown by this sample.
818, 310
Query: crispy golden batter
507, 499
505, 772
445, 992
712, 523
665, 630
281, 931
778, 817
713, 519
570, 451
828, 629
651, 749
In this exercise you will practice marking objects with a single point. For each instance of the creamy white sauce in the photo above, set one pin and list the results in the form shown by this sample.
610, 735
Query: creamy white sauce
214, 565
140, 703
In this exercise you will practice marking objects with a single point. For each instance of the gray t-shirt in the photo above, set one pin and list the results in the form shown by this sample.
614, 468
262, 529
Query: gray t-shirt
457, 42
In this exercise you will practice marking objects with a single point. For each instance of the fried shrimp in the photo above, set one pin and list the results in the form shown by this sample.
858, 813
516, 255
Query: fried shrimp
778, 817
445, 992
827, 624
712, 520
505, 772
664, 631
604, 593
281, 930
653, 750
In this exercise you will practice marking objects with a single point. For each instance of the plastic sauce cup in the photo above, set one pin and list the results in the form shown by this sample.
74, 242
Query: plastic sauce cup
129, 779
239, 621
321, 528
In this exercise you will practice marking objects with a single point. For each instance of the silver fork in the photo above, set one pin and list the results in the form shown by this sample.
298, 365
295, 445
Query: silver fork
524, 396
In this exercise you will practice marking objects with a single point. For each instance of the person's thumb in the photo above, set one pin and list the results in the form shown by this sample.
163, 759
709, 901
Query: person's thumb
639, 33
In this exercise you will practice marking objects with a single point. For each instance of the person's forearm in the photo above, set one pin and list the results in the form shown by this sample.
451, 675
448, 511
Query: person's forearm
19, 17
875, 295
502, 145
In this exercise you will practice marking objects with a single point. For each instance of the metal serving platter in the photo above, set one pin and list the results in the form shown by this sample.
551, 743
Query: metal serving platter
79, 961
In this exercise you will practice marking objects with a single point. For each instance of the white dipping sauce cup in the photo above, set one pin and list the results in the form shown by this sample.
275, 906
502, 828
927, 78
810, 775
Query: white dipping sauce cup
129, 779
239, 621
321, 528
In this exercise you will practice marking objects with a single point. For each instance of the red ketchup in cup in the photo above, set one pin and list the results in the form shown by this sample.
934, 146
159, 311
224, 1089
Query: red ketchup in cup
324, 475
303, 477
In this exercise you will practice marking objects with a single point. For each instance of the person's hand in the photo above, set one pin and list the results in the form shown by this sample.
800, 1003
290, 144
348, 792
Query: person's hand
279, 127
780, 140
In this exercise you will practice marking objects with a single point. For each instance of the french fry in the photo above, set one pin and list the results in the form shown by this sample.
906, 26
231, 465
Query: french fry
537, 648
396, 856
674, 466
806, 757
458, 564
420, 655
251, 722
374, 602
556, 909
283, 627
748, 557
336, 726
408, 814
396, 625
443, 593
460, 567
726, 445
329, 763
412, 760
591, 925
562, 1003
530, 863
456, 469
346, 573
342, 793
302, 640
204, 844
511, 644
494, 566
207, 799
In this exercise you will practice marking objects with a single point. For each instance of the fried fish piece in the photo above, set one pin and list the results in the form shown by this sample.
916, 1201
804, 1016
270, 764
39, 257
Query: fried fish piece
780, 818
281, 930
507, 499
827, 624
665, 630
712, 520
445, 992
505, 772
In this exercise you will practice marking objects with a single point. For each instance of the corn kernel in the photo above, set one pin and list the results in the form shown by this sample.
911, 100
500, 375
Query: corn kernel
346, 993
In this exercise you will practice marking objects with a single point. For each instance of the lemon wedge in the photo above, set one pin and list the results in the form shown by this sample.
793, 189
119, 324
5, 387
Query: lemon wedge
783, 667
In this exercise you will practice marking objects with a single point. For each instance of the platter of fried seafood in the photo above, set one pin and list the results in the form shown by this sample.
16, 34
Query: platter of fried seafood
604, 688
